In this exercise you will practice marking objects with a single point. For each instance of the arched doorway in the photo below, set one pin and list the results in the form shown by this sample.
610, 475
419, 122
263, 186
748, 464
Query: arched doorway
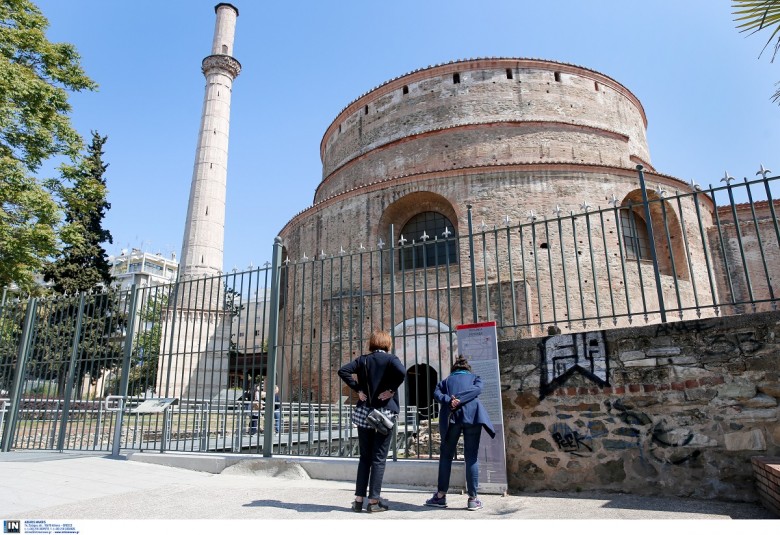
426, 347
421, 381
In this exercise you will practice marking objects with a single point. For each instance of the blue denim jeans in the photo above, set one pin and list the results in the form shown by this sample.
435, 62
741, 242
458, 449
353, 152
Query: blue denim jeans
471, 436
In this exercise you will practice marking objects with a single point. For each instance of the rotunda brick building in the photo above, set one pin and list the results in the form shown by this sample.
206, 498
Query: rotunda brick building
512, 140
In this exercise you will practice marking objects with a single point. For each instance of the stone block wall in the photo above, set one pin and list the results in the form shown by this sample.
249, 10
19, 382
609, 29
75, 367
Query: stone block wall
684, 408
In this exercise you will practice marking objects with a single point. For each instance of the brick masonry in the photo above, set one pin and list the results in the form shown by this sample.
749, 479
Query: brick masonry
767, 473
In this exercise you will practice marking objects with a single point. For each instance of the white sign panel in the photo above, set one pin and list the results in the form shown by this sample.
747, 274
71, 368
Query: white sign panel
478, 342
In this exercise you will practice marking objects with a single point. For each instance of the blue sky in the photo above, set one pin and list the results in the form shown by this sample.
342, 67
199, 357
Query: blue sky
704, 89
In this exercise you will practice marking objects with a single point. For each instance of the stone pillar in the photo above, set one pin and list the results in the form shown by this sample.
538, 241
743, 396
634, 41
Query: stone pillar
204, 230
197, 330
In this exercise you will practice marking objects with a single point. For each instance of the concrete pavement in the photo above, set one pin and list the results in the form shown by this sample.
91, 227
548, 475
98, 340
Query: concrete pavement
45, 485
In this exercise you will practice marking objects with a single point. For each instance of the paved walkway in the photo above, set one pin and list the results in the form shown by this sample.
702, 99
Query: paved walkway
50, 485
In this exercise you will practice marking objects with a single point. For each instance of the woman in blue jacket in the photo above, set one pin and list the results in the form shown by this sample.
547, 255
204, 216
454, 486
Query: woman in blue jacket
460, 411
379, 374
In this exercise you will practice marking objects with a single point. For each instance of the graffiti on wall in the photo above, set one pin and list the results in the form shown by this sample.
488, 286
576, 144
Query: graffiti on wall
565, 354
664, 439
570, 441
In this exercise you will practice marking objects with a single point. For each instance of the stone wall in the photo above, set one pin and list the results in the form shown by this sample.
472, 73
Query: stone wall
683, 408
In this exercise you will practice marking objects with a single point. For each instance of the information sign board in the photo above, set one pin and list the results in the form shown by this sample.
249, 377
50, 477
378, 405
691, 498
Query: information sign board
478, 342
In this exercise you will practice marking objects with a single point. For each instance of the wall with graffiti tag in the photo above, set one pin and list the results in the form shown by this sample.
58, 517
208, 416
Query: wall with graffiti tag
674, 409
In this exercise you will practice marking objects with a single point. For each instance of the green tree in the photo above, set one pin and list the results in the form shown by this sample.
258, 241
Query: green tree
83, 264
98, 338
756, 15
35, 77
146, 348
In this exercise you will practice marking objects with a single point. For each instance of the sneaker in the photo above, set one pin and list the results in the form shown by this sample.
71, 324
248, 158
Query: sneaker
435, 501
357, 506
378, 507
474, 504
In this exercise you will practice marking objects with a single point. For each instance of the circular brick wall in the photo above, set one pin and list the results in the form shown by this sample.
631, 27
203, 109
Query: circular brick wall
478, 113
507, 135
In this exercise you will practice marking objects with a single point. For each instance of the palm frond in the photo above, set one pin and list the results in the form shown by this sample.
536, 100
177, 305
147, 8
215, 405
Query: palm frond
757, 15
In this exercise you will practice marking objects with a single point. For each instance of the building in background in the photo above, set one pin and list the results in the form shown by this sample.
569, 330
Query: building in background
142, 269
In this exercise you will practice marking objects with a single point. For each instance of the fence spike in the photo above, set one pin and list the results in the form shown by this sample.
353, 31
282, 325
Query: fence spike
557, 210
614, 201
763, 171
727, 178
585, 206
424, 236
446, 232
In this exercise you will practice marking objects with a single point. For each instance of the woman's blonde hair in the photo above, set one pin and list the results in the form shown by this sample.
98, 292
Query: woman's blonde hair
380, 340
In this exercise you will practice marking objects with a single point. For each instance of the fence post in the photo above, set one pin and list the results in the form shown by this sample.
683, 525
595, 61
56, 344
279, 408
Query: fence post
273, 328
651, 239
74, 351
128, 351
391, 250
473, 267
21, 363
392, 314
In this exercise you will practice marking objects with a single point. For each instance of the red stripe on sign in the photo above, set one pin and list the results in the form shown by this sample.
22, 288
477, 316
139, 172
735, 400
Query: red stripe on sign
476, 325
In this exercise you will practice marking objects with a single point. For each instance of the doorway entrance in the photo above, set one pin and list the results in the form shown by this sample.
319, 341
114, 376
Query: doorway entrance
421, 381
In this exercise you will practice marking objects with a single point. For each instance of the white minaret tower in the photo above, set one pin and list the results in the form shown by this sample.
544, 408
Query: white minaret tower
204, 231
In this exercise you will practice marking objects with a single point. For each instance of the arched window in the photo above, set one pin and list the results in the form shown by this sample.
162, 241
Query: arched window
634, 231
439, 248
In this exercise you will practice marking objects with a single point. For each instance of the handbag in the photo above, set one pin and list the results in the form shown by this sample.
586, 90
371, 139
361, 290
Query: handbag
379, 421
376, 419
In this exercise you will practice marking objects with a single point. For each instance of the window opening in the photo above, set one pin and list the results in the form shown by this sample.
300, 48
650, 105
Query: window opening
596, 85
438, 249
406, 90
456, 78
557, 77
509, 74
224, 49
365, 110
635, 238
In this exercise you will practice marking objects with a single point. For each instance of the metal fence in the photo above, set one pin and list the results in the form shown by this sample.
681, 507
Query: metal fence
78, 372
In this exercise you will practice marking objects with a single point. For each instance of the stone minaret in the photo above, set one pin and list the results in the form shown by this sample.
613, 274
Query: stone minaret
204, 231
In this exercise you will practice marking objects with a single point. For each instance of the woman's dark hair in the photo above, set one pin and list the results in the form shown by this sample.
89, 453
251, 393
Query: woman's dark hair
461, 364
380, 340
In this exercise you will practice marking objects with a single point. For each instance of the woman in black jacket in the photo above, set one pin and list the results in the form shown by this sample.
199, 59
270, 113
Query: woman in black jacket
379, 374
